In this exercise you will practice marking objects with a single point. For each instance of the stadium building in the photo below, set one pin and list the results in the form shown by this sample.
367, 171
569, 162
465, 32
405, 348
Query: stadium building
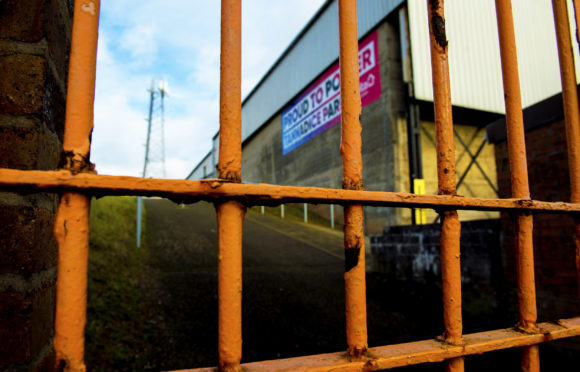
291, 119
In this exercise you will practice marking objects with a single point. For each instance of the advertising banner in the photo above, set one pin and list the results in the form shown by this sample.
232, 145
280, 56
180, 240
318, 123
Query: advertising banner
318, 108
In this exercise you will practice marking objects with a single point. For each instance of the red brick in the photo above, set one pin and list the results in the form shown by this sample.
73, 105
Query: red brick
22, 23
18, 148
22, 84
27, 243
553, 234
32, 91
57, 36
26, 148
26, 325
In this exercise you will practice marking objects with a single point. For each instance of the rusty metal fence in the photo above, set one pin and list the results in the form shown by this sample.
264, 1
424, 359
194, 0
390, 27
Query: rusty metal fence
77, 182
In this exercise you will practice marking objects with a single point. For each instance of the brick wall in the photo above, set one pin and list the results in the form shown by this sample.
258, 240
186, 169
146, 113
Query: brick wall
413, 252
34, 47
554, 251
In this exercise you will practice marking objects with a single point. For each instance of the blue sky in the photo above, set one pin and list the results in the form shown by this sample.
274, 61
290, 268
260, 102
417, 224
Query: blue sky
177, 40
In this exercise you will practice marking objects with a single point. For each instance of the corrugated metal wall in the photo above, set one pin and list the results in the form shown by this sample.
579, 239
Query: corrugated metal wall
317, 49
473, 52
474, 60
205, 169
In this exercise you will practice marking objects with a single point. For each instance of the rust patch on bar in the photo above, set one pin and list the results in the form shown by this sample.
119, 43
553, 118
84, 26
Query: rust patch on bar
356, 353
350, 184
231, 176
438, 24
75, 163
527, 203
351, 258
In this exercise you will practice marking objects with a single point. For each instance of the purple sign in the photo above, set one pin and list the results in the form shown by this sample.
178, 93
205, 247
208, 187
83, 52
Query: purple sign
318, 108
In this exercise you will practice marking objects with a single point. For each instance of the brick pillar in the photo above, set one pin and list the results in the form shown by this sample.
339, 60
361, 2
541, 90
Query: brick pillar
34, 48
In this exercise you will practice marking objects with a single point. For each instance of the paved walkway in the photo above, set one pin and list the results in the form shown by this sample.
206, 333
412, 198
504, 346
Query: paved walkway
293, 296
293, 293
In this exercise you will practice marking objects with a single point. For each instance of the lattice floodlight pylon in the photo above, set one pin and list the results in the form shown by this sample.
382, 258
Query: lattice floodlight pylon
154, 163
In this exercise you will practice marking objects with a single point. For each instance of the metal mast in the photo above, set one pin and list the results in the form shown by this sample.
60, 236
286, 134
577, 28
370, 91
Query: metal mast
154, 164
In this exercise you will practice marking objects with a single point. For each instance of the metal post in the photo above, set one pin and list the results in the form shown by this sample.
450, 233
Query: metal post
350, 149
305, 213
281, 210
519, 181
149, 122
72, 219
139, 214
450, 226
230, 214
332, 216
262, 209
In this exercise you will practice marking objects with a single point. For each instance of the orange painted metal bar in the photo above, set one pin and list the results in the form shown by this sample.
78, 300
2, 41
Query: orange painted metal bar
350, 150
519, 181
230, 213
571, 109
450, 225
72, 220
412, 353
230, 216
258, 194
230, 141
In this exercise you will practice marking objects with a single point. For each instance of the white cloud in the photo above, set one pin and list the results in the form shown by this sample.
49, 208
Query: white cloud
139, 42
179, 41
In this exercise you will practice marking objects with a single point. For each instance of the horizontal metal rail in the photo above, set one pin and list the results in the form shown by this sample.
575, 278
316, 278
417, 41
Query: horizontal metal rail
258, 194
426, 351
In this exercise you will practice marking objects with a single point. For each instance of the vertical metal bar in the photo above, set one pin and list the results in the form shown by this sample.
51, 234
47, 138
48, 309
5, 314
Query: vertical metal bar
282, 211
139, 216
350, 149
230, 214
571, 110
450, 227
519, 180
72, 220
305, 213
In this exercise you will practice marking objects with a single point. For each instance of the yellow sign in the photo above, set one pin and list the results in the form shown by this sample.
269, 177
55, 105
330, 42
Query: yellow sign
420, 213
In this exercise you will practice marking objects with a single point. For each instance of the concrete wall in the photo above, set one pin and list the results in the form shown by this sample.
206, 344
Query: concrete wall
385, 150
34, 48
318, 162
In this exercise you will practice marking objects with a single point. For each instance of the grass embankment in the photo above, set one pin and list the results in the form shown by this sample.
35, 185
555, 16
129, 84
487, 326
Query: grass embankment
117, 338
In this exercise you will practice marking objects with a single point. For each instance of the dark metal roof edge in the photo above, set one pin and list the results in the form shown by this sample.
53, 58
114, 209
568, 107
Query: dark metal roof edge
290, 46
537, 115
199, 164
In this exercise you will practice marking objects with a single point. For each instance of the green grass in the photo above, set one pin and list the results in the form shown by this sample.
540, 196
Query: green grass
295, 213
117, 338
